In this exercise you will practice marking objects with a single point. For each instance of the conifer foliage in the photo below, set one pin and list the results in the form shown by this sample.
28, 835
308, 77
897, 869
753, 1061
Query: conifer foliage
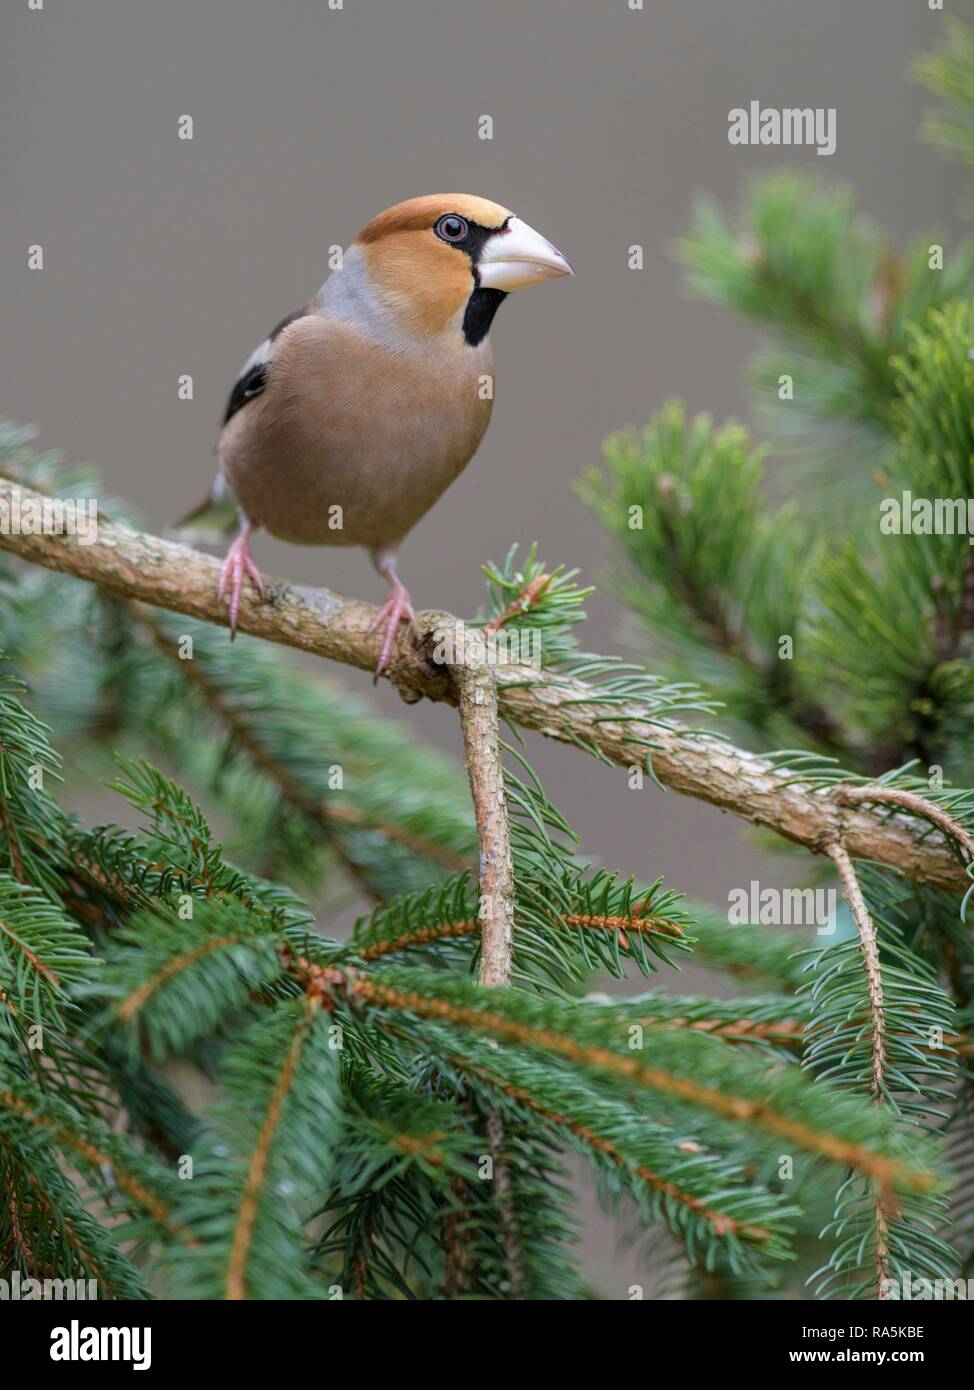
205, 1093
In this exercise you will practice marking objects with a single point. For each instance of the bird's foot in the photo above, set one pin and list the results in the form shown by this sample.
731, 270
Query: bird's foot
238, 565
397, 609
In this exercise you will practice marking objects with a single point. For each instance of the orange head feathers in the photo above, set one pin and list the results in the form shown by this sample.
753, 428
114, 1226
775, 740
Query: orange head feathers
449, 259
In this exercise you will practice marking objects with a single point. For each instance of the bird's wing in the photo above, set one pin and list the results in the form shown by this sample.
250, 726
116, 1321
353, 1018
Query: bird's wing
218, 515
254, 372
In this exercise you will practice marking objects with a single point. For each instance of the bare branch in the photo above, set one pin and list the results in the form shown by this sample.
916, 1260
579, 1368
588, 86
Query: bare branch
908, 801
869, 946
477, 692
134, 565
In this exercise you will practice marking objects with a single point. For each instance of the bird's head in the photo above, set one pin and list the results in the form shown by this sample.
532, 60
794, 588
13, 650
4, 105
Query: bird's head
449, 259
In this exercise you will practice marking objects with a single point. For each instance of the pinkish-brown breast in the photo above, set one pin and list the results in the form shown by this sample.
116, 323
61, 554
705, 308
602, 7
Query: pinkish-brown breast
346, 423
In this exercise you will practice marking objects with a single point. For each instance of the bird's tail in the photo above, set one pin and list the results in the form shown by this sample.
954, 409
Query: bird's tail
212, 521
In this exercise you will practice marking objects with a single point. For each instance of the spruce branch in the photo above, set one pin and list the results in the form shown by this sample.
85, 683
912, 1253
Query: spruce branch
90, 1144
872, 1021
428, 935
259, 1163
948, 72
246, 951
778, 1023
247, 739
522, 603
243, 1236
326, 814
804, 262
42, 953
525, 1022
589, 1139
599, 717
52, 1231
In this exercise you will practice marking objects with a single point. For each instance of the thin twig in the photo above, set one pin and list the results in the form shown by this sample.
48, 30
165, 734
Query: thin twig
457, 1259
477, 695
477, 691
526, 599
908, 801
881, 1246
869, 946
497, 1138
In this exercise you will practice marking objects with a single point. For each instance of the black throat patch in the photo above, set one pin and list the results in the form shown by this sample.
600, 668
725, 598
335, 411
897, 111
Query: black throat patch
479, 313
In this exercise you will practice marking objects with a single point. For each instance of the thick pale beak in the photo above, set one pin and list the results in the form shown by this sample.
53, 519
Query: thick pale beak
518, 256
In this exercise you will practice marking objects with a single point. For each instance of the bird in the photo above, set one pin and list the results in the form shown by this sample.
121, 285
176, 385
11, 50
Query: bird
357, 412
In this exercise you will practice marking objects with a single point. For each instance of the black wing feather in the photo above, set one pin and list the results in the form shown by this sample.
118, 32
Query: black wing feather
252, 381
245, 388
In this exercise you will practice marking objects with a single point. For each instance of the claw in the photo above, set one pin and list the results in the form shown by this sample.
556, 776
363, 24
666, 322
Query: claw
238, 565
397, 609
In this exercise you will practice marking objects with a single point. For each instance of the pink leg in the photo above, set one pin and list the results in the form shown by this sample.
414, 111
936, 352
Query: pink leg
397, 608
236, 566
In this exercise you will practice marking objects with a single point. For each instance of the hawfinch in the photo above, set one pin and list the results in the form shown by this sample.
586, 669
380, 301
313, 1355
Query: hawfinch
360, 409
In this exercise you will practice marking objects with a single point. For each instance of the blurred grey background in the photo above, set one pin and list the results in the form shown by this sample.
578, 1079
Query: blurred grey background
165, 257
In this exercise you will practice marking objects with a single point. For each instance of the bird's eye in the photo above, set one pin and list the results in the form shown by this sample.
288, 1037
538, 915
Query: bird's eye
451, 228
